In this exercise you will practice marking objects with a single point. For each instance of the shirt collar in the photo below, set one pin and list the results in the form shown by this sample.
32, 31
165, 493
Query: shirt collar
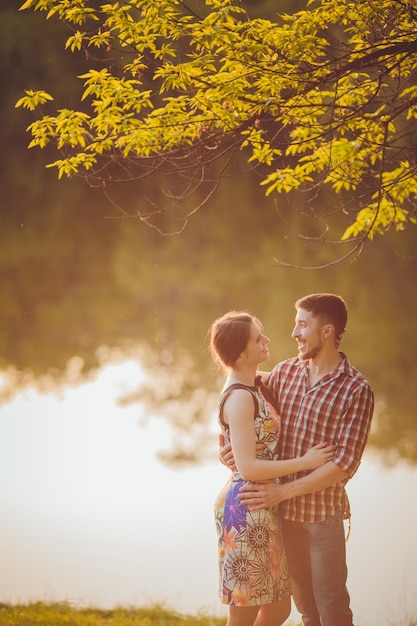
344, 367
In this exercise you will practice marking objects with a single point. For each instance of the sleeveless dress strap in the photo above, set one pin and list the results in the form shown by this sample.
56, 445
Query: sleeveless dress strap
227, 393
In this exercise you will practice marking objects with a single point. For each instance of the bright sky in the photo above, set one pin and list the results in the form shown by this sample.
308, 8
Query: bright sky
89, 515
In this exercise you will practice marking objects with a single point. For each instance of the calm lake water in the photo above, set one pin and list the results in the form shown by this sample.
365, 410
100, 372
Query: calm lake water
90, 516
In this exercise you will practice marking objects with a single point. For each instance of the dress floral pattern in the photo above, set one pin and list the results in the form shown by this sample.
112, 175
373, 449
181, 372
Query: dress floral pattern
252, 562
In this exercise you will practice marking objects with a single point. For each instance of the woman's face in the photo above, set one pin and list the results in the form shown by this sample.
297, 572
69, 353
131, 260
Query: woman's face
257, 347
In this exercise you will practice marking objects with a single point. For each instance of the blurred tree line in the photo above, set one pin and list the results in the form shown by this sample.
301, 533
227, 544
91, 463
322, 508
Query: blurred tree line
76, 274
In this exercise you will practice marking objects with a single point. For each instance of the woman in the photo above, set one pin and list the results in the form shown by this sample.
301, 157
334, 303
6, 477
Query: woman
253, 576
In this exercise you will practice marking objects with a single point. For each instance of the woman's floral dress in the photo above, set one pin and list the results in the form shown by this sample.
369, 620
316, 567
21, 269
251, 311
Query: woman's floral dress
252, 561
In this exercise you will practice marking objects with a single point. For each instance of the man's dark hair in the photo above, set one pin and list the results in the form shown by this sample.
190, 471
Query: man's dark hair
330, 308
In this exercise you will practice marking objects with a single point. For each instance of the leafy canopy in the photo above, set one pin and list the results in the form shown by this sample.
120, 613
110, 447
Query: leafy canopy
325, 98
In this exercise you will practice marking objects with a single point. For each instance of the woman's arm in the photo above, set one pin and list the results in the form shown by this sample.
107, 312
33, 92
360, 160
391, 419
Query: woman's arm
267, 494
238, 413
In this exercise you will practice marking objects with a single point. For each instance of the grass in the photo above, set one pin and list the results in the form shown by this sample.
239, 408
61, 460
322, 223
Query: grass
64, 614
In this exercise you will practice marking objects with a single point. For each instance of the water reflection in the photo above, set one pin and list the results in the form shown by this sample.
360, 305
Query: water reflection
89, 515
125, 286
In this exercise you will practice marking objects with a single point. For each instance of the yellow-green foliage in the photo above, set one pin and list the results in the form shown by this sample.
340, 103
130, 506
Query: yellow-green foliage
326, 96
62, 614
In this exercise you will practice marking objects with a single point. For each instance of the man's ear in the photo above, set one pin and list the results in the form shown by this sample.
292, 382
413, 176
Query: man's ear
328, 330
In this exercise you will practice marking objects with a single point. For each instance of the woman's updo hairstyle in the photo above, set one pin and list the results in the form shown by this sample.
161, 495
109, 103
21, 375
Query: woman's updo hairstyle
229, 336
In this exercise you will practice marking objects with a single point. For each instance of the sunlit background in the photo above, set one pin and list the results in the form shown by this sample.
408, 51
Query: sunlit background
108, 468
90, 516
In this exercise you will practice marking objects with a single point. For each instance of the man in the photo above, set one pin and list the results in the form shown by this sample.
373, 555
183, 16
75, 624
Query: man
320, 397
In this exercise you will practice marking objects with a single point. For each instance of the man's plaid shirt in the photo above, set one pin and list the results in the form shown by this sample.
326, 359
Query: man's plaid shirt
338, 410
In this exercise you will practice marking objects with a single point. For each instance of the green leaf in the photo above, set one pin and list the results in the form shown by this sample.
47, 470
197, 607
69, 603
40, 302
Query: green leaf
33, 99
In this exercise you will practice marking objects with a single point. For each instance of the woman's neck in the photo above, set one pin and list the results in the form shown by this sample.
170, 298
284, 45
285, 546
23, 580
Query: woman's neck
244, 377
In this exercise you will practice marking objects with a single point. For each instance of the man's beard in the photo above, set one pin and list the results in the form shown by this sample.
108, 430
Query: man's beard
312, 353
